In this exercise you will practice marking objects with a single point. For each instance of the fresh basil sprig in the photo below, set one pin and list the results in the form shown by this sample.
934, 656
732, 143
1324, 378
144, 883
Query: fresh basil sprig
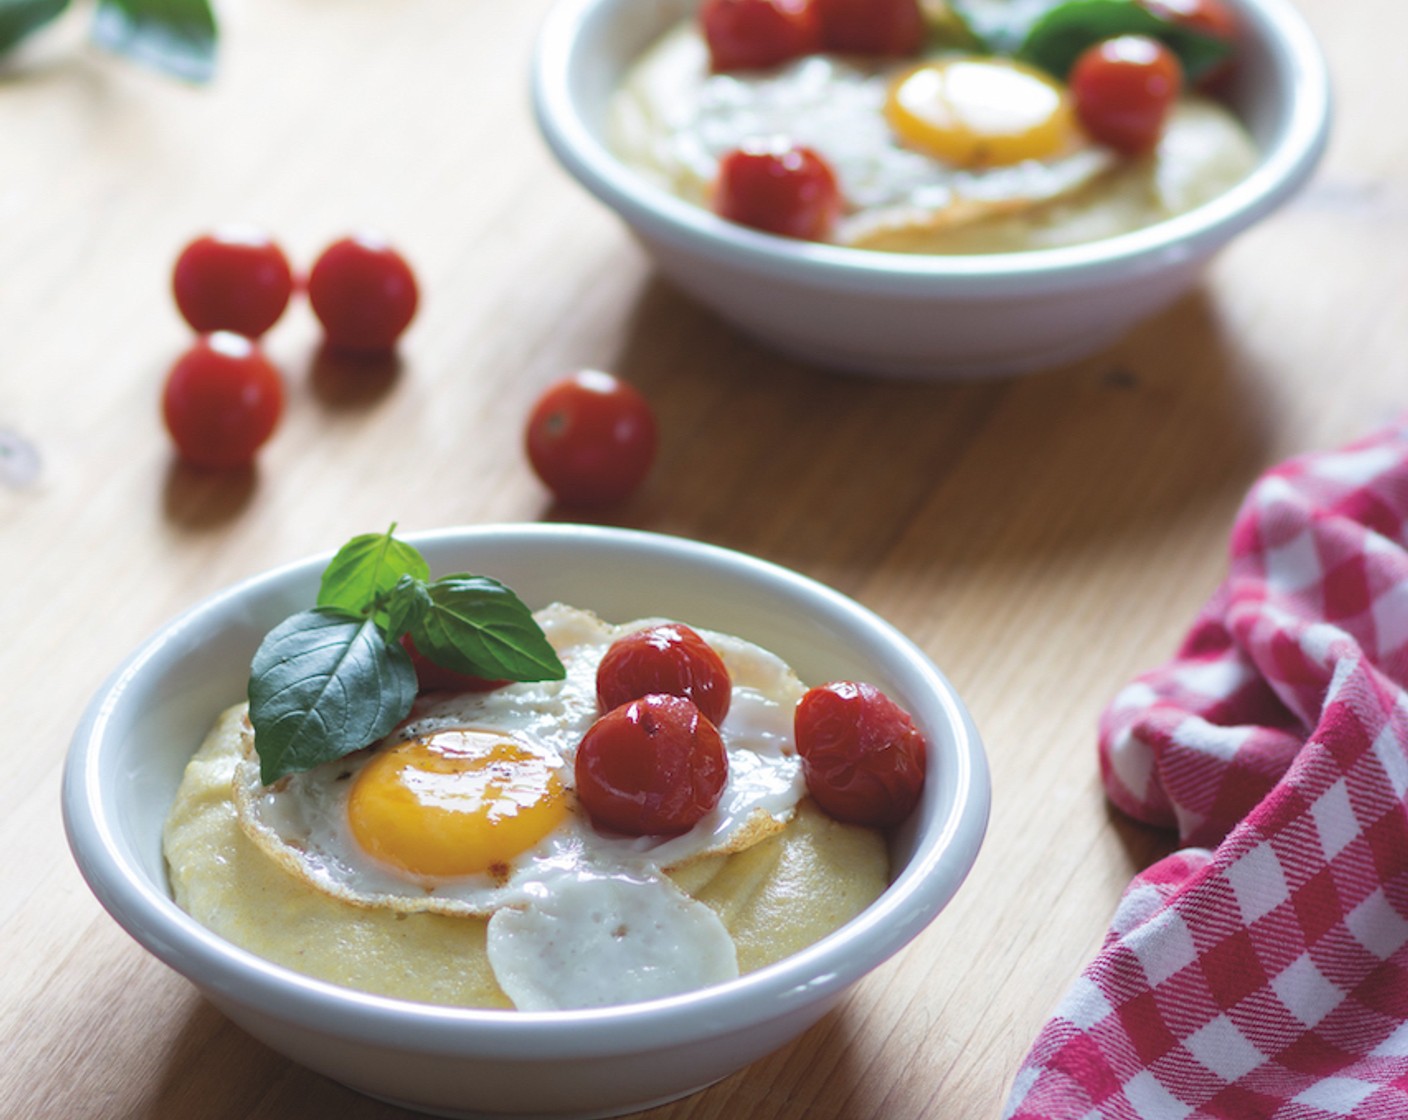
328, 681
177, 37
1057, 37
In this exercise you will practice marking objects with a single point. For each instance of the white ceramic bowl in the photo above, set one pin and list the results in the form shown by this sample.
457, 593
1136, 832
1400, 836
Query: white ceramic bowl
924, 316
136, 736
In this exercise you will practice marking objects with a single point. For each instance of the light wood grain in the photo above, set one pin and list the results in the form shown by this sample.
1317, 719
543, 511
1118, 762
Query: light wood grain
1042, 538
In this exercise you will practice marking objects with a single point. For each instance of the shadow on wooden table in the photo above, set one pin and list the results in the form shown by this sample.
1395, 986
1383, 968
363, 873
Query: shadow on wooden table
832, 473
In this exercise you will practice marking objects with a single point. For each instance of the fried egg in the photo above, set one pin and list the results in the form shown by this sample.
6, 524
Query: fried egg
948, 140
468, 809
954, 153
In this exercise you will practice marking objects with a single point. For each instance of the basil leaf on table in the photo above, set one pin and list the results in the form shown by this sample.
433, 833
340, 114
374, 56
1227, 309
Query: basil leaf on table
176, 36
19, 17
474, 624
323, 684
1059, 36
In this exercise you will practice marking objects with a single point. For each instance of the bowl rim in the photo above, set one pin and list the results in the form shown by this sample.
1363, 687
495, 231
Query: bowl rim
658, 215
233, 976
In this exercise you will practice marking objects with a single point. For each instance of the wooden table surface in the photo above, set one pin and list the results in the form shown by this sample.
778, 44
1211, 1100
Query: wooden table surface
1042, 538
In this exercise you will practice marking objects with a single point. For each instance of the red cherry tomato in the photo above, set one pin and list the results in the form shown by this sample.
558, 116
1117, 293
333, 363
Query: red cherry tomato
364, 294
652, 767
222, 401
1212, 18
670, 659
436, 678
591, 437
753, 34
1123, 90
884, 27
862, 757
232, 280
780, 189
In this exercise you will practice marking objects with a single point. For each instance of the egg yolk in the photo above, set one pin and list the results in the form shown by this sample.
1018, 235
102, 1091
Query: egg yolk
457, 802
976, 112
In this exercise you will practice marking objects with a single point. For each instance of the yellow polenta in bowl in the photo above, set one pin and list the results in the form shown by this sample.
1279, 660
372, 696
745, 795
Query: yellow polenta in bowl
278, 870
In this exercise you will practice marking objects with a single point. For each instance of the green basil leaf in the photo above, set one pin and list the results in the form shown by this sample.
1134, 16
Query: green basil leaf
174, 36
476, 625
950, 29
366, 569
19, 17
408, 603
322, 685
1059, 37
1001, 26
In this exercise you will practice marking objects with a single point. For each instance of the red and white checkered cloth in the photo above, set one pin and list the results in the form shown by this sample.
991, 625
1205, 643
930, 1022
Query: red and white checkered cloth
1261, 973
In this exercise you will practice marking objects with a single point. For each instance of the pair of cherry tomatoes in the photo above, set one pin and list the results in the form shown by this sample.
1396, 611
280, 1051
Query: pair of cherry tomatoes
1124, 88
361, 289
751, 34
655, 764
223, 398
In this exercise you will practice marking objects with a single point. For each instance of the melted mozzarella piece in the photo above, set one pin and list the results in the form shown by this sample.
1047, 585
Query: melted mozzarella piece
589, 941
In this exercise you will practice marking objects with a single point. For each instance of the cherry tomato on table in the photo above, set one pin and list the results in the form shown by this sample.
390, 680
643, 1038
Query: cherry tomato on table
753, 34
670, 658
1123, 89
591, 437
364, 294
652, 767
862, 757
234, 279
222, 401
778, 188
883, 27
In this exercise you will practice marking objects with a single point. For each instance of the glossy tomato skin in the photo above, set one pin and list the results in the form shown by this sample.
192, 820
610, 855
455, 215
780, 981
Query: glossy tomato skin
222, 401
431, 677
755, 34
784, 189
653, 767
862, 757
235, 279
873, 27
364, 293
1123, 89
591, 437
671, 659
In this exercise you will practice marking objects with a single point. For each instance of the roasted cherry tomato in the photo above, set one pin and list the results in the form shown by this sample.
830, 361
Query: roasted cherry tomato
222, 401
1123, 90
591, 437
1212, 18
670, 659
753, 34
436, 678
364, 294
652, 767
778, 188
862, 757
885, 27
234, 279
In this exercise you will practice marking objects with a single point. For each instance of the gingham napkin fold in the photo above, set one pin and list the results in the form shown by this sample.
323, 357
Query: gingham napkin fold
1261, 972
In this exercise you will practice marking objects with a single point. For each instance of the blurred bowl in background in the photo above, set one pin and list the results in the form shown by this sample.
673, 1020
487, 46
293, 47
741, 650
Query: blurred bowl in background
909, 315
